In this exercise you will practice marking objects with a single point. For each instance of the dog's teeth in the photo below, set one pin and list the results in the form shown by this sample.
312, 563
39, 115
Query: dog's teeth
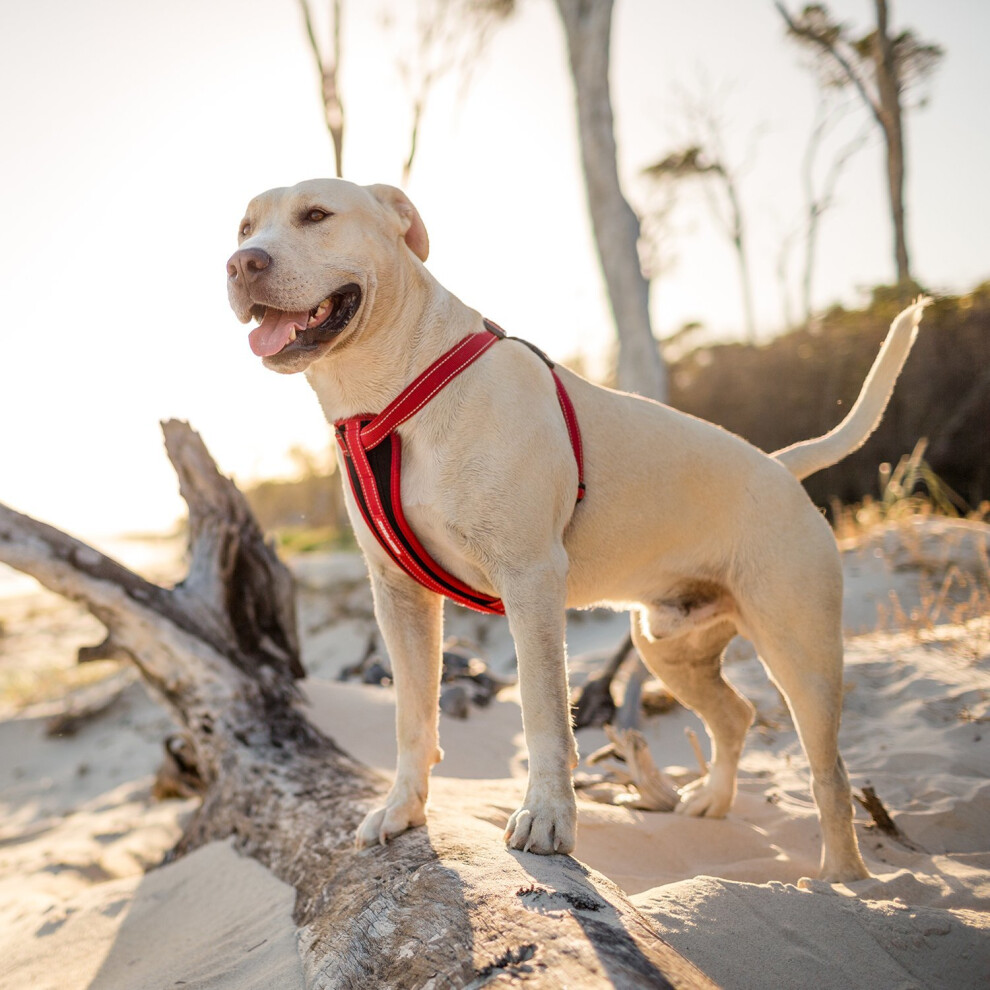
292, 335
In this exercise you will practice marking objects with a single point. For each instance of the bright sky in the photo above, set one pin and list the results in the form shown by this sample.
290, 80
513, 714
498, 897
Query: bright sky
134, 133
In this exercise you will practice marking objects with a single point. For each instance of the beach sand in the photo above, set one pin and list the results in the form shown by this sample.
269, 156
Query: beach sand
83, 906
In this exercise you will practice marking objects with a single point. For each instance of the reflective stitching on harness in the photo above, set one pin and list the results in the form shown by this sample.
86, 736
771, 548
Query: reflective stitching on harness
386, 421
378, 522
409, 537
369, 489
358, 435
453, 374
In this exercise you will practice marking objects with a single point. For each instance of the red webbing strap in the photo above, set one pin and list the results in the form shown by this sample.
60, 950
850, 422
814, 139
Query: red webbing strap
411, 399
573, 430
370, 501
452, 587
359, 434
404, 549
566, 406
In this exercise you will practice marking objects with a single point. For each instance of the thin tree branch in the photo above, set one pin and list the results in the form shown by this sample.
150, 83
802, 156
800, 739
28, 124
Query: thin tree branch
809, 35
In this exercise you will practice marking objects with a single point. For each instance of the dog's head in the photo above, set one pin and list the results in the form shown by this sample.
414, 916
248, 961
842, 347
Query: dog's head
309, 262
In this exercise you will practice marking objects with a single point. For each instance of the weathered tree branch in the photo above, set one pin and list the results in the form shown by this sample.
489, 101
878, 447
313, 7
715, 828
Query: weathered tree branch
442, 906
656, 790
592, 703
870, 801
821, 34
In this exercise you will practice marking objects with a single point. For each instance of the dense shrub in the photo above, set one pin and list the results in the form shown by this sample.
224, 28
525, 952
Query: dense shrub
801, 384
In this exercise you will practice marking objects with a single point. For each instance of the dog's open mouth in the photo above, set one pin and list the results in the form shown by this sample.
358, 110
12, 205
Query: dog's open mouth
283, 332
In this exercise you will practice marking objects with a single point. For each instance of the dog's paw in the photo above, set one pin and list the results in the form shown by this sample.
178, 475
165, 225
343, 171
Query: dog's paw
851, 870
543, 826
393, 818
704, 798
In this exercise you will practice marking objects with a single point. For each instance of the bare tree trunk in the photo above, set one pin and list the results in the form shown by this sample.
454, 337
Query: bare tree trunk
818, 203
449, 36
417, 117
742, 262
815, 208
704, 158
782, 271
328, 67
889, 93
442, 907
588, 25
893, 64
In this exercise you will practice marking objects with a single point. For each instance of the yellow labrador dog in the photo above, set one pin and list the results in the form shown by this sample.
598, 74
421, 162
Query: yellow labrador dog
694, 531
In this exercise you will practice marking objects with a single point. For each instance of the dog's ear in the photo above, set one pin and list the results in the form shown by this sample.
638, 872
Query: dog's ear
415, 230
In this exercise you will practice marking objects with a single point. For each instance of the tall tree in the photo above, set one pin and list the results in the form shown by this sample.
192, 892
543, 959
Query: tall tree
819, 187
819, 197
704, 156
881, 68
588, 28
328, 67
447, 36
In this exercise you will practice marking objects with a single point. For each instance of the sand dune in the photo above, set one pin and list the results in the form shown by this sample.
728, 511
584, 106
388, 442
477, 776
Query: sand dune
79, 828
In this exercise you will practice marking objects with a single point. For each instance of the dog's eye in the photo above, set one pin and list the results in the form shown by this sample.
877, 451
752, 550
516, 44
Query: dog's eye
316, 215
245, 229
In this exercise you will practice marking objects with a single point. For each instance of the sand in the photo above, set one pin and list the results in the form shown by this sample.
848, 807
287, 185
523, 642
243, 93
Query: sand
81, 905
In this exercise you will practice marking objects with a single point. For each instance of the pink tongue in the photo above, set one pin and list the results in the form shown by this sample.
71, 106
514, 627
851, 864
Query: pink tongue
275, 331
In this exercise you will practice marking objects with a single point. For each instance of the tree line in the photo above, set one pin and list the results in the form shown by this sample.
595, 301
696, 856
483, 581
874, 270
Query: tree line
882, 68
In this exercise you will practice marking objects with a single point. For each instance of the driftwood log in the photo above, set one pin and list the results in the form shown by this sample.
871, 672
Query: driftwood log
592, 703
870, 801
442, 906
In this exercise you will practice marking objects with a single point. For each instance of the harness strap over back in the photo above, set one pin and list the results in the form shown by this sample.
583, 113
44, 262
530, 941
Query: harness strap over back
372, 455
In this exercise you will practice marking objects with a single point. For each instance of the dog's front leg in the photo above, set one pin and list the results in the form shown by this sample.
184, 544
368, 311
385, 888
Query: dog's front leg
411, 621
534, 605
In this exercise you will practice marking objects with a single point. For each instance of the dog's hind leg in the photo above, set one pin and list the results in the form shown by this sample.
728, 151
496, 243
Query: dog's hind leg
792, 612
690, 665
534, 605
805, 662
411, 620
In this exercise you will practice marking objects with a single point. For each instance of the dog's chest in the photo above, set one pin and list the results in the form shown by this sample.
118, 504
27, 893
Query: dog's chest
441, 503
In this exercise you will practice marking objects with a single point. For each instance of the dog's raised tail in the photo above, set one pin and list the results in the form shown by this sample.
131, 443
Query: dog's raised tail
808, 456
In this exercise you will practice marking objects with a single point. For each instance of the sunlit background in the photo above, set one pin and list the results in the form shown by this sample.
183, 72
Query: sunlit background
133, 134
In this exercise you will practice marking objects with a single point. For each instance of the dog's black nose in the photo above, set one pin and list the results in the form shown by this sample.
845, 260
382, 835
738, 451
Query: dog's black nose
247, 264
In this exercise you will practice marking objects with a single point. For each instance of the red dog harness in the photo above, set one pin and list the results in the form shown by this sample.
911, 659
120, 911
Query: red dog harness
372, 454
